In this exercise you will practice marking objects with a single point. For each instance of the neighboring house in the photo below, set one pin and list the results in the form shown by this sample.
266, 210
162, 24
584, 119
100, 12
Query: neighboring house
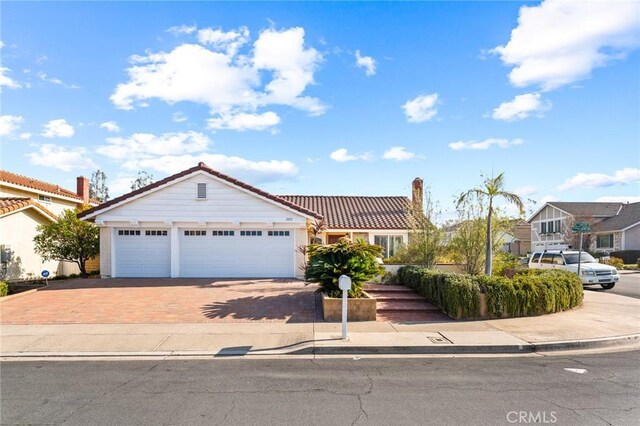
614, 226
518, 240
26, 203
202, 223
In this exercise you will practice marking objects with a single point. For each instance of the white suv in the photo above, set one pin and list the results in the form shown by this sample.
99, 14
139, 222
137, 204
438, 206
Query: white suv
591, 271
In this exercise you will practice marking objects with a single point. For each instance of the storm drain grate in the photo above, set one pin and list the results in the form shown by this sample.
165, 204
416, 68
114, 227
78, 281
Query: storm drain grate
439, 340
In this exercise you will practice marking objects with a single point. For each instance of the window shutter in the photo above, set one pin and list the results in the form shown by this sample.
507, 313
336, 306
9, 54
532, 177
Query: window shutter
202, 191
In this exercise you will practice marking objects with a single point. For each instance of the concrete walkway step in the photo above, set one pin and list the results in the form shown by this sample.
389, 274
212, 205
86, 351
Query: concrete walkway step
381, 288
397, 296
400, 304
405, 306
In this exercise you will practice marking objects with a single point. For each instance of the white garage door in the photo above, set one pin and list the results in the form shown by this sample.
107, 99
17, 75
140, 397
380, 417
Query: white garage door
143, 253
236, 253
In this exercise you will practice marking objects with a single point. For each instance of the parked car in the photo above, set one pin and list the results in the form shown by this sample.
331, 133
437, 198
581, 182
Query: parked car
591, 271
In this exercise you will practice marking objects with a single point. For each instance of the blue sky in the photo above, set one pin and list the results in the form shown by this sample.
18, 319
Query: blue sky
328, 98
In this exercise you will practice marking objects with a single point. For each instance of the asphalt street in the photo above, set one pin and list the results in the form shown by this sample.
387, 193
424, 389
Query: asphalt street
567, 390
629, 285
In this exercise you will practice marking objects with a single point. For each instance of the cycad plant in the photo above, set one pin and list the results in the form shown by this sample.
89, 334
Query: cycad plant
358, 260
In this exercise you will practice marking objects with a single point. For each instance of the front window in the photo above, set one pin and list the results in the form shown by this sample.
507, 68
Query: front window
604, 241
389, 243
572, 258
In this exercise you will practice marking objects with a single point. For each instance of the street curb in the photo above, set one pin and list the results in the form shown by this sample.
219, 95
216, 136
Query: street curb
308, 349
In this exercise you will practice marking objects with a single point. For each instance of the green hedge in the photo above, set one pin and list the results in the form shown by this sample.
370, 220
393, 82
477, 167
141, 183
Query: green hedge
4, 288
532, 292
458, 295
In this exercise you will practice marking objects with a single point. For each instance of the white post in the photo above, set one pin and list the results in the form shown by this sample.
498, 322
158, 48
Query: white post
344, 314
344, 282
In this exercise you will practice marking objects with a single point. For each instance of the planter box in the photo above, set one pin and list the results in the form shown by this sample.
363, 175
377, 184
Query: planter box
362, 309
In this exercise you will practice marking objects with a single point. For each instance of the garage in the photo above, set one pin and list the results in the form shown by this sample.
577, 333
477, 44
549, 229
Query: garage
236, 253
142, 253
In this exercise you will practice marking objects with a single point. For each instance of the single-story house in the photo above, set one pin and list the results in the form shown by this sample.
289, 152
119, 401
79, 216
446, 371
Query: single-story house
202, 223
26, 203
614, 226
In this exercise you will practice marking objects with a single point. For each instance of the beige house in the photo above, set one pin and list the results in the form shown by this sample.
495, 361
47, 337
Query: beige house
26, 203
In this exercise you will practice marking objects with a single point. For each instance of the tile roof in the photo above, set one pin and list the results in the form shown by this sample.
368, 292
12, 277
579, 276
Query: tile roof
203, 167
353, 212
629, 215
588, 209
10, 204
38, 185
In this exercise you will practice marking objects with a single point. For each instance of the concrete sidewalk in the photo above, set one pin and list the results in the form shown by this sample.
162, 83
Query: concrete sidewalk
603, 320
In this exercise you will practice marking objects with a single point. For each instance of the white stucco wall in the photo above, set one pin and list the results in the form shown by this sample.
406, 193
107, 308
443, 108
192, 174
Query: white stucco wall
18, 231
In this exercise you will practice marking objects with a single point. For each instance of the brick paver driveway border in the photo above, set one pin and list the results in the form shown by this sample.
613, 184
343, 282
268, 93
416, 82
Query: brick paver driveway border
163, 301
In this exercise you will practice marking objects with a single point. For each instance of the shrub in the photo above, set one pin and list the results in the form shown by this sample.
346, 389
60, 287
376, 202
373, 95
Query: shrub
615, 262
505, 264
531, 292
4, 288
358, 260
456, 294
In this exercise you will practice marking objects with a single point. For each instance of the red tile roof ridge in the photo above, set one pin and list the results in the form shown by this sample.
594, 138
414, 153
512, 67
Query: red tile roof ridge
39, 185
9, 204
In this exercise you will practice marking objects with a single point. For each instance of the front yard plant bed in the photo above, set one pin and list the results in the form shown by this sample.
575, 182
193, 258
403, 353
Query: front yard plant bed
361, 309
528, 293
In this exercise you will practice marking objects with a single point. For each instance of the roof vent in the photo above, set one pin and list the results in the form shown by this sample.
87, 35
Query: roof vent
201, 192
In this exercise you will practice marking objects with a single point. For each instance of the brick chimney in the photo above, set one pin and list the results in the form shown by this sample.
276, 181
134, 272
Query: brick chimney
417, 193
83, 188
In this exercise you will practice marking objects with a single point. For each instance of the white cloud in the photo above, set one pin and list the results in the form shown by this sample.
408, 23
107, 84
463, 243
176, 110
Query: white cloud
6, 81
398, 153
521, 107
63, 158
147, 145
593, 180
224, 41
44, 77
341, 155
366, 62
182, 29
121, 184
24, 136
179, 117
485, 144
9, 124
422, 108
110, 126
244, 121
619, 199
58, 129
524, 191
241, 168
276, 72
559, 42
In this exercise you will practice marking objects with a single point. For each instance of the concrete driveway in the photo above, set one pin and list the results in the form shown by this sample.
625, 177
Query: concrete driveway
163, 301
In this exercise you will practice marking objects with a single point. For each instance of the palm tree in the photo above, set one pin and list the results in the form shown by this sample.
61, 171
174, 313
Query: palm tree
492, 188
